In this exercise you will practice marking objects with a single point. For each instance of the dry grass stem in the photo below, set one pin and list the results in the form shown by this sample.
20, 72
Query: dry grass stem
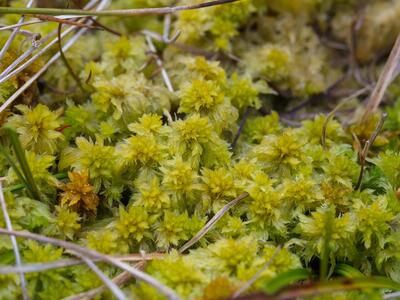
117, 12
13, 242
159, 64
63, 263
107, 281
63, 21
120, 279
212, 222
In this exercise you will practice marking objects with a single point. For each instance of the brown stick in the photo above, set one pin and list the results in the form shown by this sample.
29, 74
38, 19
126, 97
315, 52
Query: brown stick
62, 21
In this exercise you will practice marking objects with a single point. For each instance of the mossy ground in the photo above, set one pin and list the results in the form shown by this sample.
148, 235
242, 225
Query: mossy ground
152, 145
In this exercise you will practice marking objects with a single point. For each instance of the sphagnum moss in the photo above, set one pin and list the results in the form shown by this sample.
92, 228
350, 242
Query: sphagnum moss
148, 167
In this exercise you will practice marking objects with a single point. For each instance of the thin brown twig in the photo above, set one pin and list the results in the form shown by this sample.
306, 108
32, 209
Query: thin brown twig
106, 28
63, 21
357, 145
97, 23
66, 63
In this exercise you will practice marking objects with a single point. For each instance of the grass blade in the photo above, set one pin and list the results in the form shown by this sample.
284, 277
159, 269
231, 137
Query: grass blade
13, 165
23, 163
324, 263
348, 271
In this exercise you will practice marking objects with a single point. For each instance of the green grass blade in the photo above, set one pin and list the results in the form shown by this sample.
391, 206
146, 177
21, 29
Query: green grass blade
348, 271
15, 187
324, 263
284, 279
20, 154
13, 165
